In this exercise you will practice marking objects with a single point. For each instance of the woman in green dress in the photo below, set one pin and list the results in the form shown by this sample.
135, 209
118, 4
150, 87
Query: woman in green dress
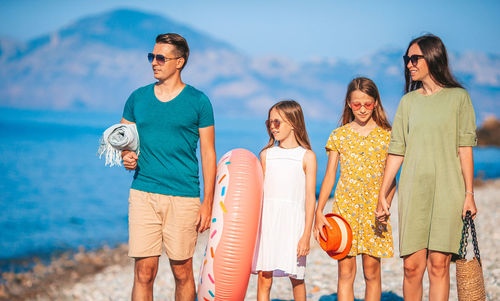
433, 133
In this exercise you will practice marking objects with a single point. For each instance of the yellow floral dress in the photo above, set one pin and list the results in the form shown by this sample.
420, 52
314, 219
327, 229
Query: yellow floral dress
362, 162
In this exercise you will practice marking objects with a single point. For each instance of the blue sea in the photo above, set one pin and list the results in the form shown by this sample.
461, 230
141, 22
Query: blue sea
57, 195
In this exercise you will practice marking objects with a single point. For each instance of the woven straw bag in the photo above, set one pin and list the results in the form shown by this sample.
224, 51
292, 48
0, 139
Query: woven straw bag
470, 282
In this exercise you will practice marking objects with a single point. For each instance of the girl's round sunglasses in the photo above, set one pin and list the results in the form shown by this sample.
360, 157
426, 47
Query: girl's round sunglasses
275, 122
161, 59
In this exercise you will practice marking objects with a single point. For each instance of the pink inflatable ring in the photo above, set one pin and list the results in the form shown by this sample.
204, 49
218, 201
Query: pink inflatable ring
227, 262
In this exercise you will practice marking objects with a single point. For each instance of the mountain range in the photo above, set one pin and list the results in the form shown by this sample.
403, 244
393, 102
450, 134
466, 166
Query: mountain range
95, 63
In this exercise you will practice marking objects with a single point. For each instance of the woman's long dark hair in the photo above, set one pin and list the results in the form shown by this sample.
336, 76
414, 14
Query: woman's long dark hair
436, 58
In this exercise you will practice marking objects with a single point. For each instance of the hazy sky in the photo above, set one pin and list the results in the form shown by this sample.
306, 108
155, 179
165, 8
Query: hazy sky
296, 29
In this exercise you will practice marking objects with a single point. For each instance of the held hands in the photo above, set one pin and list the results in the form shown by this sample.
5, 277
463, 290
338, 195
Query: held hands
382, 213
129, 160
303, 246
318, 226
469, 205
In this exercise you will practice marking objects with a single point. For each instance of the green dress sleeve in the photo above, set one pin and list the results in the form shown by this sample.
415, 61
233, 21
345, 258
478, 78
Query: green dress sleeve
399, 132
466, 123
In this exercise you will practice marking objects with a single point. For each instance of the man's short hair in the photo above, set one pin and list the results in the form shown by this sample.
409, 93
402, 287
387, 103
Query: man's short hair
180, 44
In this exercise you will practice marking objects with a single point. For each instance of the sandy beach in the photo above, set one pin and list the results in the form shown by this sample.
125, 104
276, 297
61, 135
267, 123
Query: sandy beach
108, 274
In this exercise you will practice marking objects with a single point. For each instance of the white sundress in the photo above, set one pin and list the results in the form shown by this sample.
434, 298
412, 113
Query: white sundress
283, 214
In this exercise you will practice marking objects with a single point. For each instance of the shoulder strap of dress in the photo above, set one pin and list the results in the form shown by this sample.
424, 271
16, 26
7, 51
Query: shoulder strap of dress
301, 152
270, 151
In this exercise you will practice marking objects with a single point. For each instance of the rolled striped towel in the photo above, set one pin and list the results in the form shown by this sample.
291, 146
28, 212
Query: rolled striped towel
118, 137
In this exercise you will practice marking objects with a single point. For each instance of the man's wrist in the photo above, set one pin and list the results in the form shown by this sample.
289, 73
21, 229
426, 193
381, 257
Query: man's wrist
208, 201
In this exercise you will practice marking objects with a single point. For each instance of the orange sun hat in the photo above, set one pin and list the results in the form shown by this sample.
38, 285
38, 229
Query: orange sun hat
338, 239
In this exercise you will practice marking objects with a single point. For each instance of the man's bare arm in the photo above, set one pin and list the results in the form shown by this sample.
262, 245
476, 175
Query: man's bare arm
129, 157
209, 166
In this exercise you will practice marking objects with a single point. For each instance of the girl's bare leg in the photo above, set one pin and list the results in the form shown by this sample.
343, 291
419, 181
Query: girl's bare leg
299, 289
347, 274
264, 284
373, 278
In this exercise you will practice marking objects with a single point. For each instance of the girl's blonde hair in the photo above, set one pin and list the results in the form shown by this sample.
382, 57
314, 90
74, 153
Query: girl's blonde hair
368, 87
291, 112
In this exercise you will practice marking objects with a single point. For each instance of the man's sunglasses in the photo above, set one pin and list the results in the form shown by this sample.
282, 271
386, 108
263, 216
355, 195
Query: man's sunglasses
357, 106
275, 122
414, 59
161, 59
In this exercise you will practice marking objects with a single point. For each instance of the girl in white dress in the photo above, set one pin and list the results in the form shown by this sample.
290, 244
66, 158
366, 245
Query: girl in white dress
289, 167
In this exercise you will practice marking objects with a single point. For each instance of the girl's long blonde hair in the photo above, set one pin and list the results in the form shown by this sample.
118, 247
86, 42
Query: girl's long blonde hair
368, 87
291, 112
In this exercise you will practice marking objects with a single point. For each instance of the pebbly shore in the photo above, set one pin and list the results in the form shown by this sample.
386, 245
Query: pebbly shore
107, 274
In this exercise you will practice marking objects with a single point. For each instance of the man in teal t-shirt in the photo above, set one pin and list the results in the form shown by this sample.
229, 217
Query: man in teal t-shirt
164, 202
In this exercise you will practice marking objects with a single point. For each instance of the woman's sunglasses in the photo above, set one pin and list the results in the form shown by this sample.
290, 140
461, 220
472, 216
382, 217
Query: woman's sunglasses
161, 59
355, 106
275, 122
414, 59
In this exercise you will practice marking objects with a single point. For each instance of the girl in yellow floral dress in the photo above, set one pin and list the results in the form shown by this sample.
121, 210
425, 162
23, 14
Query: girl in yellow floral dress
361, 145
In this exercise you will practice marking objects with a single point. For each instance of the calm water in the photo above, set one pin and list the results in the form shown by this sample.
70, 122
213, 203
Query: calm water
57, 195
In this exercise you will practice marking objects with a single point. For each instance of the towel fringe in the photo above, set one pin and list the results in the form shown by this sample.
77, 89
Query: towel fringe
116, 138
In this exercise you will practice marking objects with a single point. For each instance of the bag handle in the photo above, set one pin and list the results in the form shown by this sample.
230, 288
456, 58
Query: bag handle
468, 223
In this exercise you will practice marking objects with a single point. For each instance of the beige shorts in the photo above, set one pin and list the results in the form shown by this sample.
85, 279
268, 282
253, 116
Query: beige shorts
155, 218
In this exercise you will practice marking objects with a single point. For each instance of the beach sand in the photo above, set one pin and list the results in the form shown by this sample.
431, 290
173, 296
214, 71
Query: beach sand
108, 275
